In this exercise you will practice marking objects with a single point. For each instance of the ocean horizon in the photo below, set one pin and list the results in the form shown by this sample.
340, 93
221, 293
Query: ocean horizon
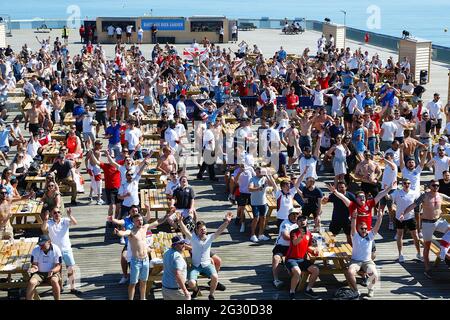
428, 20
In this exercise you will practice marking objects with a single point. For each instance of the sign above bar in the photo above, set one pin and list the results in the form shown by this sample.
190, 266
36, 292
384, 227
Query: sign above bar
163, 24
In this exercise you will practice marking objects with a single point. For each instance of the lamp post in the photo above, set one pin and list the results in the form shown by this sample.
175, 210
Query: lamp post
345, 25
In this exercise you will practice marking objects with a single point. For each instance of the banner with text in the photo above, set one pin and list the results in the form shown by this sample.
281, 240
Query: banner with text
163, 24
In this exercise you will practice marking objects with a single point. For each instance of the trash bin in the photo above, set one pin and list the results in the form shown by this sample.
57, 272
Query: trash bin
423, 76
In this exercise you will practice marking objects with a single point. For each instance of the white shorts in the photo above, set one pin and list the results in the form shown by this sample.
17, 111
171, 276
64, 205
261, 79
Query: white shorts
428, 228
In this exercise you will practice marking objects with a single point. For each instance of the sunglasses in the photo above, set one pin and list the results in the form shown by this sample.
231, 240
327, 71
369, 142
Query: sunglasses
435, 185
363, 228
57, 212
361, 197
407, 183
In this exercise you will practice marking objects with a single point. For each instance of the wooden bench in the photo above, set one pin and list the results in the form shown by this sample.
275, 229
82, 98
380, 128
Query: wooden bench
156, 198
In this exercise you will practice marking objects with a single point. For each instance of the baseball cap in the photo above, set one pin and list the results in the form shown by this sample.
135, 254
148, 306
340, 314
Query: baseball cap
178, 240
443, 138
43, 239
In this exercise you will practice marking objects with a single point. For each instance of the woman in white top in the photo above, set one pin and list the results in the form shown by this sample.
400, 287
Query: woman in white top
341, 152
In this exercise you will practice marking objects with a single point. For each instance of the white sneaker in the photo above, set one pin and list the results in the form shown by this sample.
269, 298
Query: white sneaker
420, 235
419, 257
122, 240
253, 238
243, 228
123, 280
401, 258
100, 202
263, 238
370, 293
391, 225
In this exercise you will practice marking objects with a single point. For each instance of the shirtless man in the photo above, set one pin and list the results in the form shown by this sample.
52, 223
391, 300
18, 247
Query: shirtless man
431, 202
167, 162
291, 137
410, 144
320, 119
369, 173
306, 123
33, 117
139, 264
371, 136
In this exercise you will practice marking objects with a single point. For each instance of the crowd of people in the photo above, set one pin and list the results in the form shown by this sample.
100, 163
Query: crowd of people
299, 117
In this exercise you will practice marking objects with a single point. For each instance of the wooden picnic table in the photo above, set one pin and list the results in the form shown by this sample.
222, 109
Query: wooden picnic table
15, 259
59, 133
161, 242
26, 209
50, 152
150, 120
69, 119
229, 128
154, 145
156, 198
38, 179
339, 254
229, 118
149, 132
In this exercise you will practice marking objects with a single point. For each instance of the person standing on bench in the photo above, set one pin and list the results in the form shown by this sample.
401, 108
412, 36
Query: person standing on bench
201, 258
58, 231
65, 172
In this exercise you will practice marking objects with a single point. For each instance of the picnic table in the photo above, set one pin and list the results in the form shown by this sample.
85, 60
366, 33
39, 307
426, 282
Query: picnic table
59, 132
50, 151
26, 209
154, 145
69, 119
229, 118
15, 259
161, 242
229, 128
339, 253
39, 178
149, 132
156, 198
150, 120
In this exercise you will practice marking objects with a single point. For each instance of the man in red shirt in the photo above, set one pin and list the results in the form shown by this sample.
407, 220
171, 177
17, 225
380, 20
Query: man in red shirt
292, 101
112, 184
296, 257
363, 207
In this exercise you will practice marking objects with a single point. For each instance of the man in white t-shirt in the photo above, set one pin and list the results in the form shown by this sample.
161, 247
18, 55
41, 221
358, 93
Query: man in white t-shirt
129, 31
110, 30
58, 230
119, 34
180, 109
410, 171
440, 163
133, 138
362, 243
129, 189
387, 133
401, 124
201, 253
436, 112
402, 199
282, 245
46, 260
389, 176
443, 142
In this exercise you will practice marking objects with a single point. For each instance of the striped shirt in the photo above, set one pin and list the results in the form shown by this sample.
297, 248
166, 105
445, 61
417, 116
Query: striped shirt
100, 103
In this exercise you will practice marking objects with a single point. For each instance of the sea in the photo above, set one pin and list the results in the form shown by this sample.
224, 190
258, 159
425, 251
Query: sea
422, 19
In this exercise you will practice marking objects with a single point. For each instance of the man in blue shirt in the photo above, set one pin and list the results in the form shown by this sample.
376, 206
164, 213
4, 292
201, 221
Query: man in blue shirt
282, 55
112, 133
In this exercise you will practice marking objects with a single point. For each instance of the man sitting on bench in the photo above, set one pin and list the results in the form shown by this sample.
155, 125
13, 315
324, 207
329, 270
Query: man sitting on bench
65, 172
46, 261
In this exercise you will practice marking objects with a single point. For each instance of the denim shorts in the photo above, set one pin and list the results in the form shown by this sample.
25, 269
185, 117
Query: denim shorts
259, 211
68, 259
139, 270
207, 271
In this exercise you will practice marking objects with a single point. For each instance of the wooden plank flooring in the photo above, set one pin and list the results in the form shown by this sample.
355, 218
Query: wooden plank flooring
246, 270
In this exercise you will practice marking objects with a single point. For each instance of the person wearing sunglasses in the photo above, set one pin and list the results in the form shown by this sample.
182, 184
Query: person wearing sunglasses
431, 219
58, 230
405, 219
363, 240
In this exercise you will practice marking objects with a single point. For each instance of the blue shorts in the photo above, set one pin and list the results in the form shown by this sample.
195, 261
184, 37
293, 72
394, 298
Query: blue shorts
259, 211
139, 270
68, 259
302, 264
207, 271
